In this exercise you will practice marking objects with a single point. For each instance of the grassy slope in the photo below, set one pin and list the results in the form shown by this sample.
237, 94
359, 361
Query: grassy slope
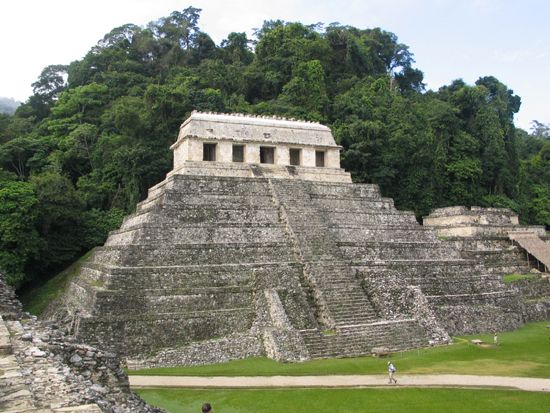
512, 278
525, 352
395, 400
36, 299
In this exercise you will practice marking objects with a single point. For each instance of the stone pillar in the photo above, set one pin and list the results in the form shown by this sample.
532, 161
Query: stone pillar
308, 157
195, 150
282, 156
332, 158
252, 153
224, 151
181, 153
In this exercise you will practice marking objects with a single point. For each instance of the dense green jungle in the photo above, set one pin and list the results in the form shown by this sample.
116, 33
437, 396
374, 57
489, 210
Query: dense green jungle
84, 148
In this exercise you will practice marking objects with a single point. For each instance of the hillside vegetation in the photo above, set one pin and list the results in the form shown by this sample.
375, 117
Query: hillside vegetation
82, 151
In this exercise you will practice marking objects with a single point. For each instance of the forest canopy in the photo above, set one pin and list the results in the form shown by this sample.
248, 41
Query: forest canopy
84, 148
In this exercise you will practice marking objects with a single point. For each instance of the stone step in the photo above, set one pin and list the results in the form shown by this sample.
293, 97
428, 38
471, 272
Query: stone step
147, 332
392, 251
227, 253
360, 339
192, 185
344, 205
178, 198
359, 235
5, 342
183, 277
211, 214
491, 297
112, 303
173, 315
220, 234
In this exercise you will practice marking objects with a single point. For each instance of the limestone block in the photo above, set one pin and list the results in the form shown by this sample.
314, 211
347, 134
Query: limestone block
224, 151
5, 343
285, 345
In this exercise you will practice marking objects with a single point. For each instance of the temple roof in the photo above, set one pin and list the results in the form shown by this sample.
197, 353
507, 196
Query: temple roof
252, 128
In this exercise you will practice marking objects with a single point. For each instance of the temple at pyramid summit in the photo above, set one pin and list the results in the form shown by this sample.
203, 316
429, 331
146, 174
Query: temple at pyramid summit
257, 243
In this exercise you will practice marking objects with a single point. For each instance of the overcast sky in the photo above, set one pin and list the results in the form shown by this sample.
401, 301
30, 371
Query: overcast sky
450, 39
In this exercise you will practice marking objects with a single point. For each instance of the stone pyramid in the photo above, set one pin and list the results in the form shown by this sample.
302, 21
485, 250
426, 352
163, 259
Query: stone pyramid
257, 243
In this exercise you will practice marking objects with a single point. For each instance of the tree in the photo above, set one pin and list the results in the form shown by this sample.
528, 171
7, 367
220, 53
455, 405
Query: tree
307, 90
540, 130
58, 214
19, 239
236, 49
51, 82
280, 48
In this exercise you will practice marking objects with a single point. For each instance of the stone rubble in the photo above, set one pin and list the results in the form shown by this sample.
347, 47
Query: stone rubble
42, 370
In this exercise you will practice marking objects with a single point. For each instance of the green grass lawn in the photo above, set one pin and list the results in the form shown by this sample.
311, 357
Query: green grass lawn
395, 400
524, 352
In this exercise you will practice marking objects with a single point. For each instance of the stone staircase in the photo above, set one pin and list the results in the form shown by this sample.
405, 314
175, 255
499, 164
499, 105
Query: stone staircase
380, 242
14, 393
358, 340
340, 290
531, 243
352, 326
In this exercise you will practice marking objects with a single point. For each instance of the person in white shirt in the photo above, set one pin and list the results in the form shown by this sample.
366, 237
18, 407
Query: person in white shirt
391, 372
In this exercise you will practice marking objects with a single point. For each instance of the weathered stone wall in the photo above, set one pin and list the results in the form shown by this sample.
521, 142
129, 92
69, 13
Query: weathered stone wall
395, 299
44, 371
10, 307
536, 297
460, 221
232, 347
481, 235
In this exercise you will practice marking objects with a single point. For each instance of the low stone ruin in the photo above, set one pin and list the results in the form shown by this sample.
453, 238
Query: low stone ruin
10, 306
487, 235
44, 371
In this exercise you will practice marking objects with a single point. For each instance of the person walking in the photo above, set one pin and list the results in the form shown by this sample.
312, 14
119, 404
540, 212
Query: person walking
495, 338
206, 408
391, 373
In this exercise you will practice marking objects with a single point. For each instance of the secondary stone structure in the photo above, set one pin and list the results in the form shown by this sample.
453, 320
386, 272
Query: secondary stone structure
257, 243
494, 237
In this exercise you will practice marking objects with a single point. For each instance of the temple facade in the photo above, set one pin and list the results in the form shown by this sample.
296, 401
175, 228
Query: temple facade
246, 145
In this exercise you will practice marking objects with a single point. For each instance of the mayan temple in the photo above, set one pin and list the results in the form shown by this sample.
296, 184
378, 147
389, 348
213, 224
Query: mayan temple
258, 243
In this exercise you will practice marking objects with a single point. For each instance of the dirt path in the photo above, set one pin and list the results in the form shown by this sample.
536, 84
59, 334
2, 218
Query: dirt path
428, 380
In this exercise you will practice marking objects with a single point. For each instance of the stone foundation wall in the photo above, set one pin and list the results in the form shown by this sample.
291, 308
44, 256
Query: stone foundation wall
10, 307
232, 347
